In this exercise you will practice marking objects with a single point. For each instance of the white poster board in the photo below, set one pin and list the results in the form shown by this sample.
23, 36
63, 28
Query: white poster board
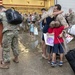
69, 38
49, 39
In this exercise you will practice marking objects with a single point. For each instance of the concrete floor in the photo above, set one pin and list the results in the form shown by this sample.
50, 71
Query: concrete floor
31, 62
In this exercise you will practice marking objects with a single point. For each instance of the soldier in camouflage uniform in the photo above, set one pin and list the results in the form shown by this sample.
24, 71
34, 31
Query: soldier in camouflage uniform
36, 19
60, 17
25, 23
9, 41
62, 21
71, 17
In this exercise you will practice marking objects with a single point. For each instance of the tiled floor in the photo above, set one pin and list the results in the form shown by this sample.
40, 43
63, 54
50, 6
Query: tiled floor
31, 62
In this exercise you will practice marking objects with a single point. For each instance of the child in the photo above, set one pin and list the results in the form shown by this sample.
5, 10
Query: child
57, 29
32, 28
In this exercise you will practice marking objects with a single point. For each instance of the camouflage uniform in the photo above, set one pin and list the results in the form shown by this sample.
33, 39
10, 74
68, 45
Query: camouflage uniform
62, 20
71, 18
10, 38
25, 23
37, 17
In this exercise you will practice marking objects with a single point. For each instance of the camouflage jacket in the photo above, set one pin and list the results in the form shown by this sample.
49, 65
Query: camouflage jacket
71, 18
62, 20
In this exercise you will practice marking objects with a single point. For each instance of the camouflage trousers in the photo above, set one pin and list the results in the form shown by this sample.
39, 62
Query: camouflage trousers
10, 42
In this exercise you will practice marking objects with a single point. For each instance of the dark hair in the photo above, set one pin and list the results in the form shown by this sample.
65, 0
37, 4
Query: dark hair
13, 8
33, 22
1, 6
43, 9
58, 6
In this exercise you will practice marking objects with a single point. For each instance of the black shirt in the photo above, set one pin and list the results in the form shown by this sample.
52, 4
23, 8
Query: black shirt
46, 25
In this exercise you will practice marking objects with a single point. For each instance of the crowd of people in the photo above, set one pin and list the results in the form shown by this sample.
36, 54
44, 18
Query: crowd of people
52, 25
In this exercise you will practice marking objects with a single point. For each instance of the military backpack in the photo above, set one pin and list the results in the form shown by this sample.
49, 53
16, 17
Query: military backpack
13, 17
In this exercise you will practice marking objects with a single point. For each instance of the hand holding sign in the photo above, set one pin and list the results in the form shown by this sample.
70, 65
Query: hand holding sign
49, 39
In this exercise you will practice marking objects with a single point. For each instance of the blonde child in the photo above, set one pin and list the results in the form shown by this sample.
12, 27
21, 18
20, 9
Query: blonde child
57, 29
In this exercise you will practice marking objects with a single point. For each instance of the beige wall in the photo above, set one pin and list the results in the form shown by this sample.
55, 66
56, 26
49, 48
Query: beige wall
24, 2
28, 5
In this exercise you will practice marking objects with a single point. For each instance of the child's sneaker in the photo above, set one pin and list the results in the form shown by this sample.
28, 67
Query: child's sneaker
53, 64
61, 63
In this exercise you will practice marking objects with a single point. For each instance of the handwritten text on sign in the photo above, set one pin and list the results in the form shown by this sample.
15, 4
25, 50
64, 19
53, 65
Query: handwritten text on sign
49, 39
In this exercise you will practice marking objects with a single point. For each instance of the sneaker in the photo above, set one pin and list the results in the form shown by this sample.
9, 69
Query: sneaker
53, 64
44, 56
61, 63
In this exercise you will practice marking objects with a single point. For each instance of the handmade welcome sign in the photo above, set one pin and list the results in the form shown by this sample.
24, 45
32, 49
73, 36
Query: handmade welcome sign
71, 30
69, 38
49, 39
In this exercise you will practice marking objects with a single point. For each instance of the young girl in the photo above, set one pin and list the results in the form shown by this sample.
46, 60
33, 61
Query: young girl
57, 30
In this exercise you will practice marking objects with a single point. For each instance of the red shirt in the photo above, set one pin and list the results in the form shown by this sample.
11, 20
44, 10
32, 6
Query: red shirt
57, 32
